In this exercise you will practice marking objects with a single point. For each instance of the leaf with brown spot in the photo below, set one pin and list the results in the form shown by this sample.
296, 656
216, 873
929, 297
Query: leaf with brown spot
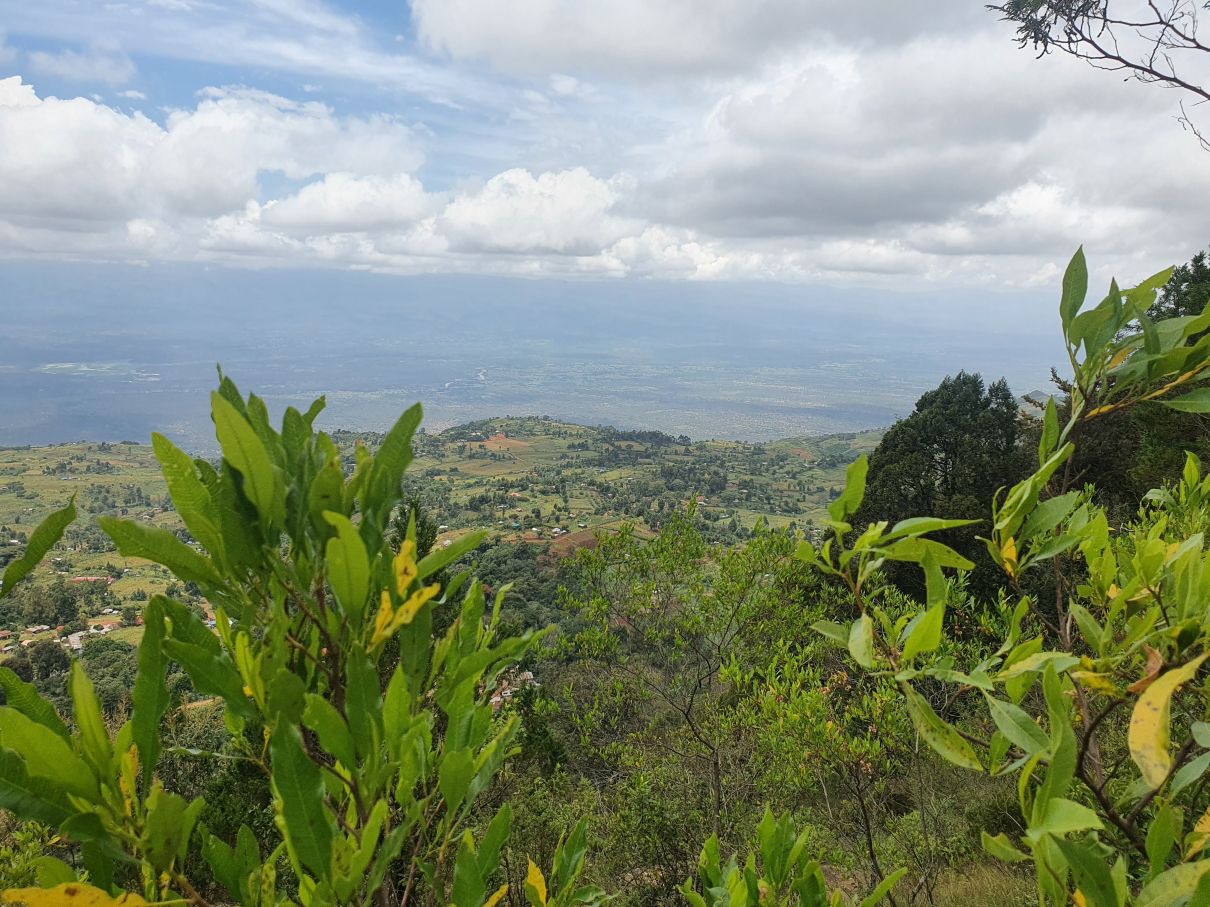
1155, 663
71, 894
1150, 723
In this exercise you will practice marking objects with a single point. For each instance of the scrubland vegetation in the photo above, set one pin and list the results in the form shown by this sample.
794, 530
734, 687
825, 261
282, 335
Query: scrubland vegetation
969, 674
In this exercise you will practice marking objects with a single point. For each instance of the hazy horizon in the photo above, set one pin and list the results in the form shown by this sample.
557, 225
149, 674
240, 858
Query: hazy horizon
112, 352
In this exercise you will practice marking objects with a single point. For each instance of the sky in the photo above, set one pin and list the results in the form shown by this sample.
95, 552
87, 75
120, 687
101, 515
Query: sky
835, 143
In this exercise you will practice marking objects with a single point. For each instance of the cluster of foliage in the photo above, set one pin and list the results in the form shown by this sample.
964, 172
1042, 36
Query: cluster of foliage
366, 725
1094, 698
342, 677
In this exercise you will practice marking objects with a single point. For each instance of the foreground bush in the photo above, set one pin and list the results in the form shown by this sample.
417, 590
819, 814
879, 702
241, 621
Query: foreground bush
1096, 699
373, 728
359, 688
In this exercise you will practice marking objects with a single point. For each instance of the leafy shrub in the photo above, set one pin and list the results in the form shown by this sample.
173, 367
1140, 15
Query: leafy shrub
1115, 810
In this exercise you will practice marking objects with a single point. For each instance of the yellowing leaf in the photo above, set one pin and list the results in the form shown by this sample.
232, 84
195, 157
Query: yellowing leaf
1078, 899
382, 619
1199, 836
535, 885
1150, 723
1093, 681
71, 894
1008, 552
496, 897
405, 567
1120, 356
389, 620
410, 608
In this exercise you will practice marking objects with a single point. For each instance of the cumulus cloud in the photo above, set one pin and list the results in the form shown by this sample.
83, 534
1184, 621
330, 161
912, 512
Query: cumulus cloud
343, 203
713, 139
566, 213
95, 164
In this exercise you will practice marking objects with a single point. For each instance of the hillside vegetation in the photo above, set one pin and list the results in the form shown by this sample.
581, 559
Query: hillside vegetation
535, 481
347, 694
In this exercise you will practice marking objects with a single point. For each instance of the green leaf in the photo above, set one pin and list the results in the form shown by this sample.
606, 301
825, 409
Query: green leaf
915, 550
150, 696
861, 641
348, 565
946, 741
41, 540
244, 450
25, 698
221, 860
86, 710
922, 524
1091, 874
1017, 726
1174, 887
164, 827
853, 494
924, 632
211, 672
468, 887
323, 718
1161, 837
442, 557
287, 692
1189, 773
161, 546
454, 778
493, 840
1048, 514
190, 498
1050, 430
883, 888
1197, 401
46, 754
31, 798
326, 493
51, 871
1000, 847
303, 819
363, 705
382, 488
1075, 287
838, 633
1061, 816
1038, 662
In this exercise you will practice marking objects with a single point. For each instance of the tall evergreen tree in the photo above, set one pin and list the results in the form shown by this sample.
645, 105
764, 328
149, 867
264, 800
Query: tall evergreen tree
945, 460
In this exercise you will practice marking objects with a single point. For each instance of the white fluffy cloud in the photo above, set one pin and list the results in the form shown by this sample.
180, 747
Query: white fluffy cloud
93, 164
343, 203
706, 139
120, 184
565, 213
